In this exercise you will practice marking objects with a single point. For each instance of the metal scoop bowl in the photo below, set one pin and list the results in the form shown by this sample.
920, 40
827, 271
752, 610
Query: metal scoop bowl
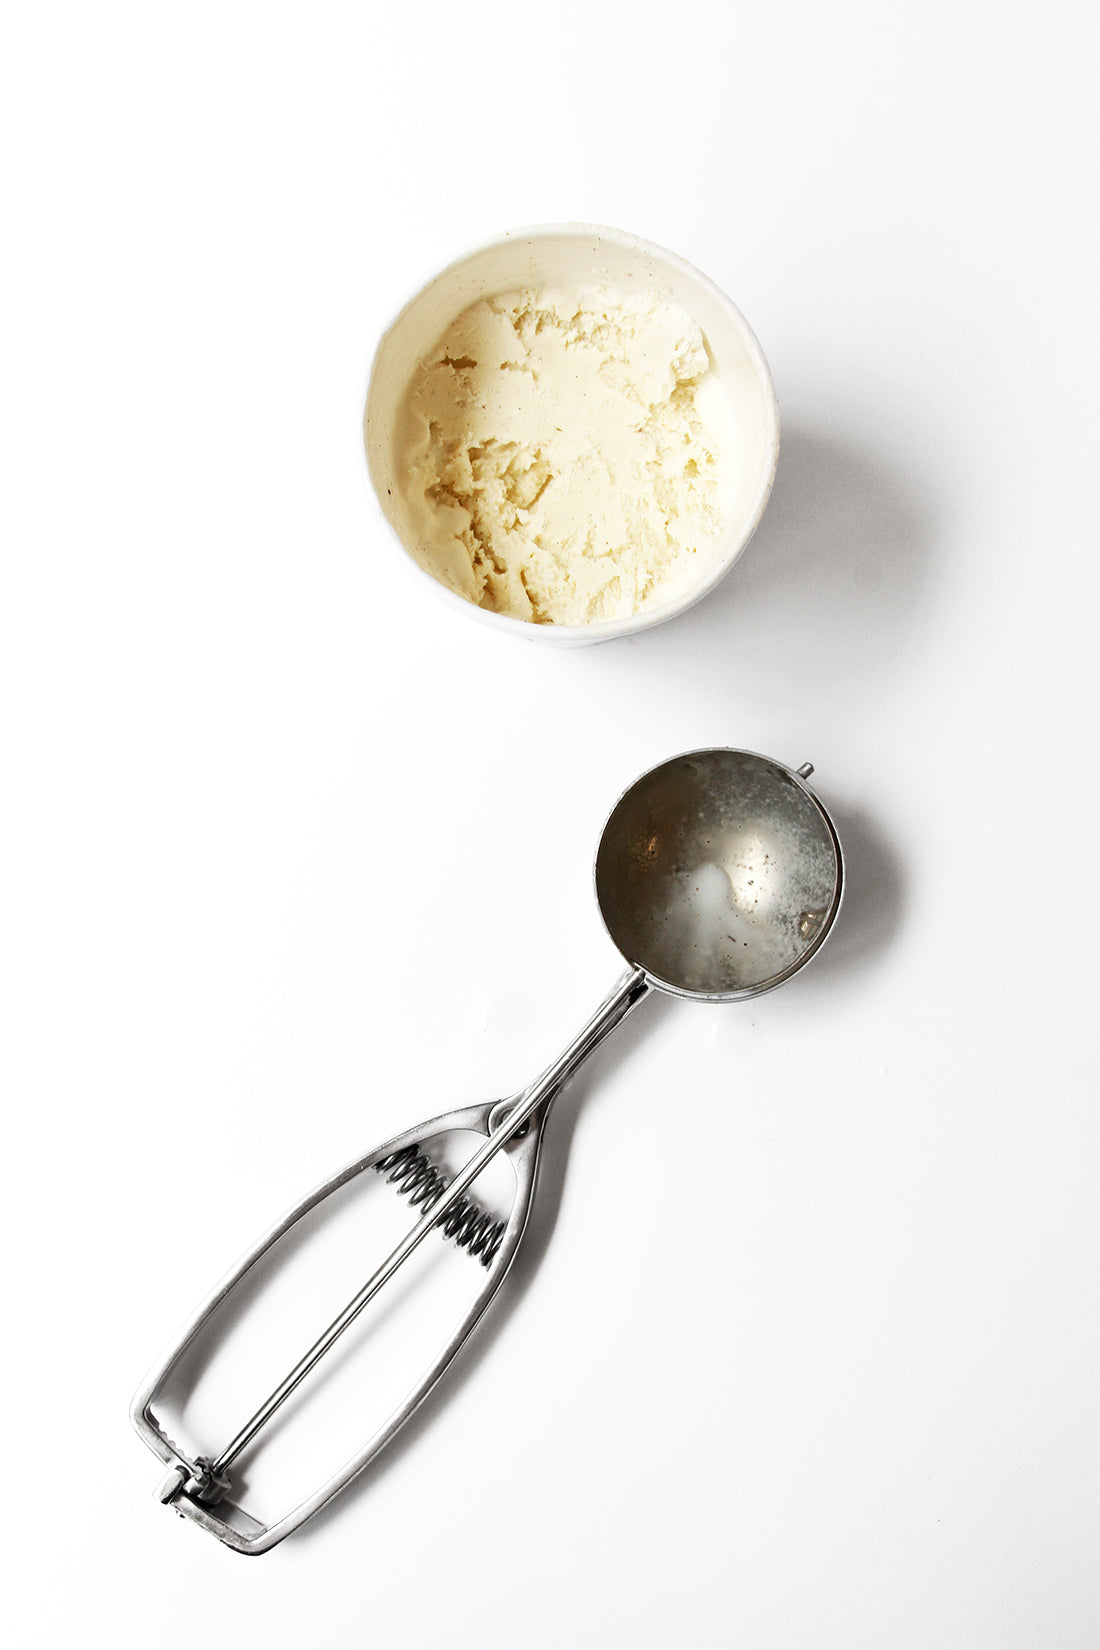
718, 875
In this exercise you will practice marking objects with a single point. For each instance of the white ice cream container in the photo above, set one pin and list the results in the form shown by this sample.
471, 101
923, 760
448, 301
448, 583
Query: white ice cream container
563, 256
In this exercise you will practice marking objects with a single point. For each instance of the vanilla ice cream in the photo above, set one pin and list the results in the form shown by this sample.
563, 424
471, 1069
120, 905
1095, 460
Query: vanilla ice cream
563, 455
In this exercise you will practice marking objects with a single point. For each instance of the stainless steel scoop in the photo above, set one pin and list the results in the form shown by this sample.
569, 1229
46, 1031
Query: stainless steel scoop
718, 875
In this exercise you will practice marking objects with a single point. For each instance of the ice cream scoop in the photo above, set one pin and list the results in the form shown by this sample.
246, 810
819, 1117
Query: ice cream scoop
719, 875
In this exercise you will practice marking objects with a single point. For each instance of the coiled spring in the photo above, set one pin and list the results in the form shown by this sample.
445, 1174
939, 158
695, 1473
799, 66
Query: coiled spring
416, 1177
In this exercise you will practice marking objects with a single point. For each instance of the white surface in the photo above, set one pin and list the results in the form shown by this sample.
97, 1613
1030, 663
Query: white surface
292, 857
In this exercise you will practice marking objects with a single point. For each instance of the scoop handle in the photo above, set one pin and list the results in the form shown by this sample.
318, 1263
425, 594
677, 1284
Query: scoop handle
195, 1487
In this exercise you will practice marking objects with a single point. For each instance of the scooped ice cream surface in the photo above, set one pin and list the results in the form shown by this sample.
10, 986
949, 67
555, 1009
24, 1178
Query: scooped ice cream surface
563, 455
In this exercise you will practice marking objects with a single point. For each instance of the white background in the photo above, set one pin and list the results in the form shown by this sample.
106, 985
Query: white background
804, 1350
